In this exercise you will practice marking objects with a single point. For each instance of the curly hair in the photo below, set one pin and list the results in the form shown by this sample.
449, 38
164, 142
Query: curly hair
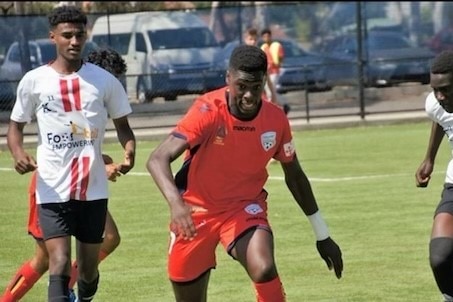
443, 62
66, 14
248, 58
108, 59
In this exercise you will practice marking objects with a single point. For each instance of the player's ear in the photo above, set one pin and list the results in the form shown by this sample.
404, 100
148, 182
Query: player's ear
227, 77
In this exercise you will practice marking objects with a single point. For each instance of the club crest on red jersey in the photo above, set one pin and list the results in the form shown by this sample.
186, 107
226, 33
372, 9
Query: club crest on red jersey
268, 140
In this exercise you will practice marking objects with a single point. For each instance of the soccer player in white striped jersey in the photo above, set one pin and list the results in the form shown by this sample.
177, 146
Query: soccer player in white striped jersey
72, 101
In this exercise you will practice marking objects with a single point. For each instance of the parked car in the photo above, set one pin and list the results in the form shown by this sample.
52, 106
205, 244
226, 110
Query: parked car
389, 58
168, 53
42, 51
300, 69
442, 40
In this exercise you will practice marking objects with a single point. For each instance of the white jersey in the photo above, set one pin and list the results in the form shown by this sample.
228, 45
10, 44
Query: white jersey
438, 114
71, 112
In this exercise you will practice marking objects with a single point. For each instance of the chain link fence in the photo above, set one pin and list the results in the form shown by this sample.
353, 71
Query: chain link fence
341, 58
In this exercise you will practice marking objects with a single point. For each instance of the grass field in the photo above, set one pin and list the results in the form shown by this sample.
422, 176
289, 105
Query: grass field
364, 182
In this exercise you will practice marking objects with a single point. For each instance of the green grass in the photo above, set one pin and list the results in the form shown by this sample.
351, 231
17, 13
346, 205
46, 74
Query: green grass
363, 179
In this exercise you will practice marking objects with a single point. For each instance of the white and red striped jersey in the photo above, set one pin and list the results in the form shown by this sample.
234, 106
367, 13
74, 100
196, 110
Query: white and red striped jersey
71, 112
438, 114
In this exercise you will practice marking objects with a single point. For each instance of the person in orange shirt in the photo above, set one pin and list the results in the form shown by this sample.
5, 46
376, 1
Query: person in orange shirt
275, 55
228, 137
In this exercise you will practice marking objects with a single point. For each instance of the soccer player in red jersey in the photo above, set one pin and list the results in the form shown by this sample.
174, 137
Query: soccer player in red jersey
218, 196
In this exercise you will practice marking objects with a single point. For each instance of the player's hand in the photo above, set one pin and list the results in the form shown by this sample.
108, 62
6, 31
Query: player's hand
423, 174
181, 221
330, 252
112, 171
107, 159
128, 164
25, 163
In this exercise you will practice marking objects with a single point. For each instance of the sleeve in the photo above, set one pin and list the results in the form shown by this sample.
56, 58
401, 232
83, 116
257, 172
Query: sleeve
432, 107
196, 123
24, 106
286, 150
116, 101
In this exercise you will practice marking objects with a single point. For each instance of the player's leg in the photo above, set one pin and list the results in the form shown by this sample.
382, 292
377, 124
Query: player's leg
190, 261
195, 290
441, 244
57, 223
91, 219
112, 237
249, 240
111, 241
27, 275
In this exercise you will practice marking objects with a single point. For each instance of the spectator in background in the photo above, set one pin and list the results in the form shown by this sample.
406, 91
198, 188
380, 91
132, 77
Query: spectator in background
251, 38
275, 56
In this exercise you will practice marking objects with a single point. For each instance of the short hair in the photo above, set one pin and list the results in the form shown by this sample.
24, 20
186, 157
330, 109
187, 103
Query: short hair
248, 58
66, 14
251, 31
266, 31
443, 62
108, 59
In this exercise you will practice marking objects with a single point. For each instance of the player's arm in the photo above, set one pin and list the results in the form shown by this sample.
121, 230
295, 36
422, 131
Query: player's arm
127, 139
423, 173
159, 166
23, 162
300, 187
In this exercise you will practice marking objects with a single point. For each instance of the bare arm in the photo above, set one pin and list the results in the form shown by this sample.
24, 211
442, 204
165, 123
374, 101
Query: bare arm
423, 173
23, 162
159, 166
300, 187
126, 138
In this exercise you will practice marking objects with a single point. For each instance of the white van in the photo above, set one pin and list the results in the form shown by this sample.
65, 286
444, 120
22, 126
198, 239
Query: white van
168, 53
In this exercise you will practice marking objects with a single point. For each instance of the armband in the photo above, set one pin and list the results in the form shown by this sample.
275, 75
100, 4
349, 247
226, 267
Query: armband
319, 226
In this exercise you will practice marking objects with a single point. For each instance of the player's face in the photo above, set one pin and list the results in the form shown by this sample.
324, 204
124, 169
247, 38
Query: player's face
69, 39
442, 85
246, 89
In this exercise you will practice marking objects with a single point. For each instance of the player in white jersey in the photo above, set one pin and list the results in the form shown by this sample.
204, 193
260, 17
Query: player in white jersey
33, 268
72, 101
439, 107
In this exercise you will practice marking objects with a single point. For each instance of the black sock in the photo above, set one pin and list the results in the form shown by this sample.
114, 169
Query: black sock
58, 288
87, 290
441, 261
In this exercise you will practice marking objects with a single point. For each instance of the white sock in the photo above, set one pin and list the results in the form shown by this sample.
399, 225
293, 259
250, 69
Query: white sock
447, 298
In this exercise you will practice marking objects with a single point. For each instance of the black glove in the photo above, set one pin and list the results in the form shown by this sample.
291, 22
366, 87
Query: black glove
330, 252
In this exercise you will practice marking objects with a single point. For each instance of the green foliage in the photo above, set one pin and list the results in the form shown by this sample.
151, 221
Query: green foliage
363, 179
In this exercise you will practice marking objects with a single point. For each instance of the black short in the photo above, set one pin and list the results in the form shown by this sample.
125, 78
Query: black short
446, 202
85, 220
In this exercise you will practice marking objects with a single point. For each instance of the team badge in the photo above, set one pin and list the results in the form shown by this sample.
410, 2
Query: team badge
289, 149
268, 140
253, 209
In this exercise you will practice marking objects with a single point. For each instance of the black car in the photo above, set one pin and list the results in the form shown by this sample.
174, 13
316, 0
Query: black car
300, 69
389, 58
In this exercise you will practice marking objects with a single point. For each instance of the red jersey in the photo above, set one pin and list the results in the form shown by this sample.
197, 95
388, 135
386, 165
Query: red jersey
227, 158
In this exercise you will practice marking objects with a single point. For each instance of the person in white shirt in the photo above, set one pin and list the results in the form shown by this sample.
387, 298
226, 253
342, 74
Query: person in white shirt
72, 101
439, 108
